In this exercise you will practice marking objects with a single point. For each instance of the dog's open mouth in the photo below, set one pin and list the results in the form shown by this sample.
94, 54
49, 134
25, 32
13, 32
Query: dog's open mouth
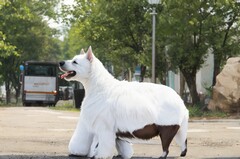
68, 74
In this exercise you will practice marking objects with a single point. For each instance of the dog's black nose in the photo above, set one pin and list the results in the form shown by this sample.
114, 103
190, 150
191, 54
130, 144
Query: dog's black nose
61, 63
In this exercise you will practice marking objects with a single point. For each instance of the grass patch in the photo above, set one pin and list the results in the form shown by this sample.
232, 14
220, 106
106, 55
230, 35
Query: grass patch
10, 104
196, 111
68, 106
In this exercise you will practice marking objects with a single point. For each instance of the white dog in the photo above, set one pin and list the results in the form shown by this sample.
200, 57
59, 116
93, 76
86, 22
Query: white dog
114, 111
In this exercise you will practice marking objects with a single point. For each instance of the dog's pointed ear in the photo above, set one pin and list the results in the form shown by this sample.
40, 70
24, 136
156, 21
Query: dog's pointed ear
90, 54
82, 52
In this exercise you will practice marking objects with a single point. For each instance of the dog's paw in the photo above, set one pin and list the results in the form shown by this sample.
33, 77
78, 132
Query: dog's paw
74, 155
118, 156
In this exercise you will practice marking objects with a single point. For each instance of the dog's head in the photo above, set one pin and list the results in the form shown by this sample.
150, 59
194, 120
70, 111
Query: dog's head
78, 68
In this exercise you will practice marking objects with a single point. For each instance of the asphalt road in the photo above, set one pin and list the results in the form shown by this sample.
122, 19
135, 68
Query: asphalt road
36, 132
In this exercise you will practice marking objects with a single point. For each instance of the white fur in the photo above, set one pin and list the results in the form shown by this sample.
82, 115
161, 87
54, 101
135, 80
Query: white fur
124, 148
111, 105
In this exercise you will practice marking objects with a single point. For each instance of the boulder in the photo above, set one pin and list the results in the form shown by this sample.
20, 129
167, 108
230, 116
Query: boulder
226, 92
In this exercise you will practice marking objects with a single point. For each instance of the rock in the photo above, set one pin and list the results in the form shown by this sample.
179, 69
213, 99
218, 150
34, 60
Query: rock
226, 92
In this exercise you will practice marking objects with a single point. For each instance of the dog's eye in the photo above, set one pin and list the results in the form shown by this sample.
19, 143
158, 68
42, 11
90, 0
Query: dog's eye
75, 62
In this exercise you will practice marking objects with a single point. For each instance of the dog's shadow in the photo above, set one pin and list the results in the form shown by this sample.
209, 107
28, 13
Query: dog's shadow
60, 157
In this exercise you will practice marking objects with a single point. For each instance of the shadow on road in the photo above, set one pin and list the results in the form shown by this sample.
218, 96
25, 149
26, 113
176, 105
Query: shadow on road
77, 157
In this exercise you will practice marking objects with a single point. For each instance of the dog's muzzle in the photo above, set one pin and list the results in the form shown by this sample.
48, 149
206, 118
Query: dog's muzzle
67, 74
61, 63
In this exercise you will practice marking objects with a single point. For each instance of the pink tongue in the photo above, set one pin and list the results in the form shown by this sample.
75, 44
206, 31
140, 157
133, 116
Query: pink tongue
64, 75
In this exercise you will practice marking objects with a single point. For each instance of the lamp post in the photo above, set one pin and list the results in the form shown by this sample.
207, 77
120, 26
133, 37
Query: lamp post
153, 2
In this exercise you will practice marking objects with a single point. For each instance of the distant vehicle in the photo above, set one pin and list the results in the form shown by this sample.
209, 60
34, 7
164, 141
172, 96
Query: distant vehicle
65, 92
40, 83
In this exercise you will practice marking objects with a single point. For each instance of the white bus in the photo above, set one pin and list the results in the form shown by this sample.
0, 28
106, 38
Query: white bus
40, 83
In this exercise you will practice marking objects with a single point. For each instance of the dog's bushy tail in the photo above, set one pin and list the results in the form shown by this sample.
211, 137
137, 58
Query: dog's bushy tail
181, 136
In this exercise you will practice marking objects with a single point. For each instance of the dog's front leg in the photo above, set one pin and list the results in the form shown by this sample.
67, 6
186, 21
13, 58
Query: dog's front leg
124, 148
81, 140
106, 144
93, 149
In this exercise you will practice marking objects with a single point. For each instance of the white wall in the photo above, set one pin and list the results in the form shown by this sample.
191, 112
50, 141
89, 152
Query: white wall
205, 74
2, 91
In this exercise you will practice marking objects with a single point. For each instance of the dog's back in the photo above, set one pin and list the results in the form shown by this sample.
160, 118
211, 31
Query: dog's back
146, 103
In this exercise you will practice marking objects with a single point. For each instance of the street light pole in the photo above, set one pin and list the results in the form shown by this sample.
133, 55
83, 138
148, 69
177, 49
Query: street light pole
153, 2
153, 44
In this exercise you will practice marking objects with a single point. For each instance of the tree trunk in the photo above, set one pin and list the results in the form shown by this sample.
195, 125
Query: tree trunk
143, 72
216, 71
191, 82
129, 75
216, 68
17, 90
182, 85
8, 92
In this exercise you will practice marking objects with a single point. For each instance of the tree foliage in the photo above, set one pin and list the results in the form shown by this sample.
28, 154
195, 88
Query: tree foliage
186, 38
117, 30
192, 28
24, 36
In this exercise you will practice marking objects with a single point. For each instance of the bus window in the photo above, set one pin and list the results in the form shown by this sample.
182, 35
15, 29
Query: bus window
40, 70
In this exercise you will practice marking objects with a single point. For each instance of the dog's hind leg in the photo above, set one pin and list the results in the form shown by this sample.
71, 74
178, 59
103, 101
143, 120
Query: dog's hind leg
124, 148
167, 134
181, 136
181, 140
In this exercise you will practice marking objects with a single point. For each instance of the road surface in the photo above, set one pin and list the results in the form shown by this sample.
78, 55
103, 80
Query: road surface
36, 132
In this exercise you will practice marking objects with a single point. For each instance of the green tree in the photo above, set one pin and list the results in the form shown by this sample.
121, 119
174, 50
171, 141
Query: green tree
6, 50
185, 37
24, 28
191, 28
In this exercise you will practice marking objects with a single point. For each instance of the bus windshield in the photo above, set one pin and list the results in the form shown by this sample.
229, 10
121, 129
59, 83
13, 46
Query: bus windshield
40, 70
